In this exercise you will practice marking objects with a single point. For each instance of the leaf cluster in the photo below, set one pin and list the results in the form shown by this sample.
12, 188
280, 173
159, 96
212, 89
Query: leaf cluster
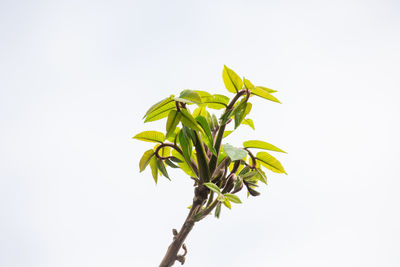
193, 142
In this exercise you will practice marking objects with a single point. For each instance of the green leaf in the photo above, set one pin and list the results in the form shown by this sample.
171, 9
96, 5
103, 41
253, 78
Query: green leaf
159, 113
204, 124
261, 145
232, 81
170, 163
226, 133
244, 171
214, 122
172, 136
227, 203
206, 128
159, 105
185, 145
175, 159
188, 120
268, 90
233, 152
261, 175
233, 198
161, 167
174, 118
240, 113
217, 212
216, 101
270, 162
189, 96
164, 151
249, 122
249, 175
154, 168
213, 187
252, 192
202, 94
150, 136
145, 160
182, 164
248, 84
264, 94
200, 111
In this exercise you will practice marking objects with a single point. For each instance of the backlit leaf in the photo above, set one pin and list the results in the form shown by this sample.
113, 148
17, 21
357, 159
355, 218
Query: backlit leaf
264, 94
173, 120
154, 168
161, 167
189, 96
150, 136
232, 81
159, 105
248, 84
261, 145
145, 160
161, 112
188, 120
226, 133
270, 162
249, 122
233, 198
261, 175
268, 90
227, 203
216, 101
213, 187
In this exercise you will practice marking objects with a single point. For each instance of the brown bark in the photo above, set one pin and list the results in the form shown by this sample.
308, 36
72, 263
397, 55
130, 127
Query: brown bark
171, 256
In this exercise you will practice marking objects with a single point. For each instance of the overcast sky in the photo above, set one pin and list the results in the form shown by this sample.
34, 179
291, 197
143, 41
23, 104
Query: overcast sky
77, 76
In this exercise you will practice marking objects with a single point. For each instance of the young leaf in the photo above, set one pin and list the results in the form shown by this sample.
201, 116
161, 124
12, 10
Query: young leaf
226, 133
213, 187
173, 119
204, 124
240, 113
170, 163
160, 112
233, 152
189, 96
249, 122
261, 145
150, 136
145, 160
264, 94
217, 212
175, 159
185, 145
182, 164
270, 162
268, 90
227, 203
161, 167
252, 192
188, 120
216, 101
154, 168
232, 81
249, 175
233, 198
208, 140
159, 105
261, 175
248, 84
200, 111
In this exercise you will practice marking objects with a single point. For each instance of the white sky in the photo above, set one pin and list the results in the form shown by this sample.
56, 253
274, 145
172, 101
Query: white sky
77, 76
